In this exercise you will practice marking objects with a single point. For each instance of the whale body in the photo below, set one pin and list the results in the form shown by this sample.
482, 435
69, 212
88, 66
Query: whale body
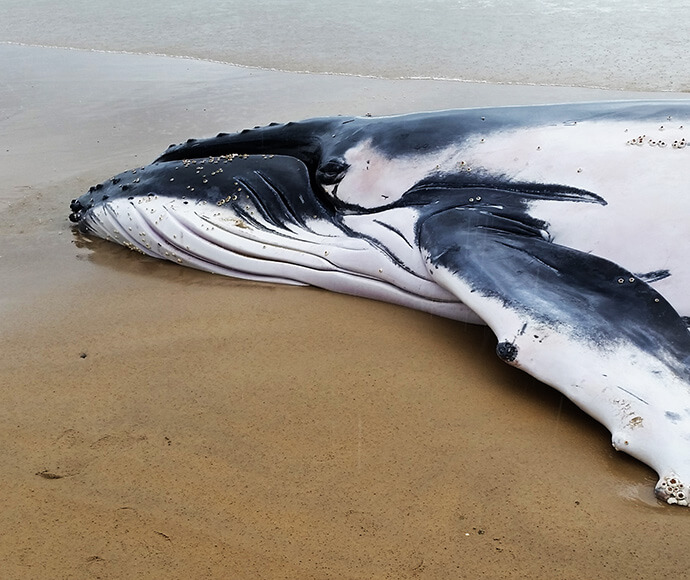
564, 228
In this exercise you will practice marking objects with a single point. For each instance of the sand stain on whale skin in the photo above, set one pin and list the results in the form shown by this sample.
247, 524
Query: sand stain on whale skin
562, 227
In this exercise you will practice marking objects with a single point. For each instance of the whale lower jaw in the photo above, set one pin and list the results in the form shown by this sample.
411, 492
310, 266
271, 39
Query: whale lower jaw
218, 240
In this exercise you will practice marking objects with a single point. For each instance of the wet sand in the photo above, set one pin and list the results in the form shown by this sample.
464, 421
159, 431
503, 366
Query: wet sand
158, 422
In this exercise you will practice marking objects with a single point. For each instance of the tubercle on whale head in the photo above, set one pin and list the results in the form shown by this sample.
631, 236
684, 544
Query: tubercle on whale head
115, 187
81, 204
304, 140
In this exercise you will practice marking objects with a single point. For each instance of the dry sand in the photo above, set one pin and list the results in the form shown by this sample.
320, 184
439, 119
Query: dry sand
158, 422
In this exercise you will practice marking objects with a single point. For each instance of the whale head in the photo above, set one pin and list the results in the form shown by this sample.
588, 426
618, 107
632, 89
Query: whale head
314, 202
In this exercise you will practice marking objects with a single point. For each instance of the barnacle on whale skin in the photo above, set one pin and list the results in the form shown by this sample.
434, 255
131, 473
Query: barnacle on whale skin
672, 490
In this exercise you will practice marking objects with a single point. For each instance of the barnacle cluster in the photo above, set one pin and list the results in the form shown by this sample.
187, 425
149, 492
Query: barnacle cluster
672, 490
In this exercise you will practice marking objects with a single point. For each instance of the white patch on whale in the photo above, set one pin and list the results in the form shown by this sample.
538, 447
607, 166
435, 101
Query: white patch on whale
374, 179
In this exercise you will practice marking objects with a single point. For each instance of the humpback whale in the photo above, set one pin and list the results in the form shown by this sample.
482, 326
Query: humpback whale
564, 228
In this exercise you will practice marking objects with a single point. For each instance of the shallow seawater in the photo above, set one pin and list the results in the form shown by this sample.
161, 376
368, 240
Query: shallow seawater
641, 494
632, 45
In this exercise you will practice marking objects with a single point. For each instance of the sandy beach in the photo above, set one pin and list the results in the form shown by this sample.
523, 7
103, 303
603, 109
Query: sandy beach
159, 422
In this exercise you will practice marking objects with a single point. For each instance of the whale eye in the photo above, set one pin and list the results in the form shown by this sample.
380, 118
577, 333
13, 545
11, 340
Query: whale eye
331, 172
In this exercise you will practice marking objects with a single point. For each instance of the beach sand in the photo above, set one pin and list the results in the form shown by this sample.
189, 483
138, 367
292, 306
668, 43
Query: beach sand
159, 422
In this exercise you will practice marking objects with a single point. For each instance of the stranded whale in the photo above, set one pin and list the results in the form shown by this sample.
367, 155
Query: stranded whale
565, 228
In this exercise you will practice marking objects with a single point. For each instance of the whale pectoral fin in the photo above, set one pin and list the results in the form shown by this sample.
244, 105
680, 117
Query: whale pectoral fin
512, 276
547, 302
579, 323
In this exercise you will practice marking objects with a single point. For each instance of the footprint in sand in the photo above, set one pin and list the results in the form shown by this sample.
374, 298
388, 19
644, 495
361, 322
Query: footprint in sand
71, 453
